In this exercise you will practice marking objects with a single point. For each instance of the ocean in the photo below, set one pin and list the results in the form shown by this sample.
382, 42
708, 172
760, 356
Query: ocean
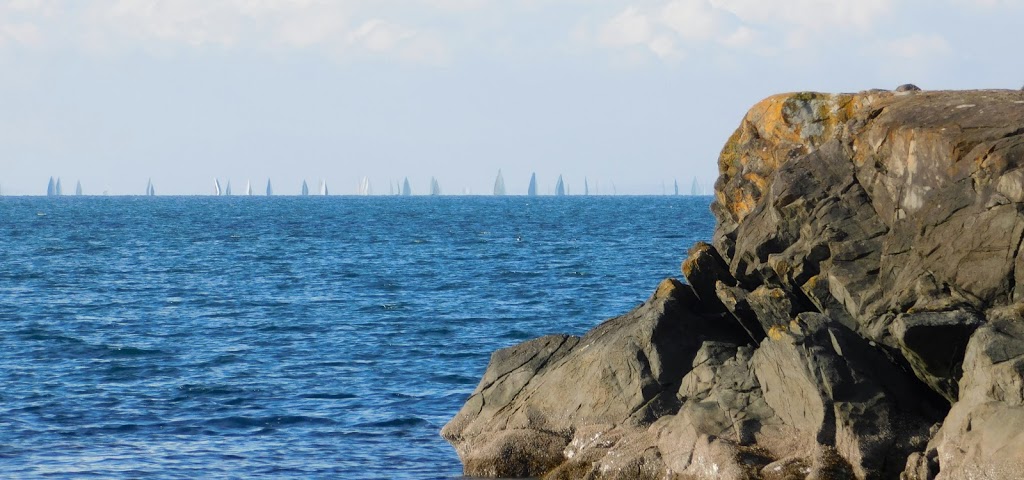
293, 337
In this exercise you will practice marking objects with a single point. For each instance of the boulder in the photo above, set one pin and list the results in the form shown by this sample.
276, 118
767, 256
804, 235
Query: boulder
624, 372
983, 435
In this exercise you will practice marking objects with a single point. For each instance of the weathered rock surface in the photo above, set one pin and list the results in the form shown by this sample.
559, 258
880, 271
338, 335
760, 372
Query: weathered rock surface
857, 315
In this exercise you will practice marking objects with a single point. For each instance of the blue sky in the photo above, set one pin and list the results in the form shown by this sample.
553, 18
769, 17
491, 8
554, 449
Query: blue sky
630, 93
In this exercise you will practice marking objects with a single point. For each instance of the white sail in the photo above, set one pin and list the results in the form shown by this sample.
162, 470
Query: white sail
51, 188
149, 187
78, 188
695, 188
59, 189
270, 190
676, 185
560, 187
499, 184
323, 187
248, 188
364, 187
227, 188
435, 188
305, 188
532, 189
406, 189
586, 186
216, 187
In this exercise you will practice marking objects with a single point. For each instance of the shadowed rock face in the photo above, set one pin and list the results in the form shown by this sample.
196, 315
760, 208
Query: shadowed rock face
857, 314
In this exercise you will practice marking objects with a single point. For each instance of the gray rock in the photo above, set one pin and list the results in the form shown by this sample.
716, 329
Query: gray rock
624, 372
703, 269
859, 314
934, 344
983, 435
908, 87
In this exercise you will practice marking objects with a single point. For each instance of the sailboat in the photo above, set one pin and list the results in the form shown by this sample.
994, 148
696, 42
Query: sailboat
270, 190
248, 188
676, 185
78, 188
60, 191
323, 187
695, 188
216, 187
364, 186
586, 186
227, 188
406, 189
435, 188
559, 187
532, 189
51, 188
305, 189
499, 184
150, 191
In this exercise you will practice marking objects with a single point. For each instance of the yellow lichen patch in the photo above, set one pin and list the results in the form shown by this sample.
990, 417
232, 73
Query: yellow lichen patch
759, 182
667, 288
780, 265
768, 118
812, 283
778, 332
774, 131
741, 204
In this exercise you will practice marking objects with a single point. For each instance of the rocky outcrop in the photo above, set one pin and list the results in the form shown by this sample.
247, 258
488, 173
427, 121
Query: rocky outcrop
857, 315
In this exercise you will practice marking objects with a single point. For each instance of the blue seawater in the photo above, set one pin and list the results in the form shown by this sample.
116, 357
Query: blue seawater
293, 337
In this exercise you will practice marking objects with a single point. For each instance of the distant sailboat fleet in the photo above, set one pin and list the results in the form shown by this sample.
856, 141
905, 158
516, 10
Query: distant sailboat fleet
404, 188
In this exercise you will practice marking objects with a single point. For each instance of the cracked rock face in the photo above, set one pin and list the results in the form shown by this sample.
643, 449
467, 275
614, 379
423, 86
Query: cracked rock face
857, 315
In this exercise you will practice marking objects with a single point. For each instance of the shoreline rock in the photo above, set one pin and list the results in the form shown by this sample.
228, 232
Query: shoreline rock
856, 315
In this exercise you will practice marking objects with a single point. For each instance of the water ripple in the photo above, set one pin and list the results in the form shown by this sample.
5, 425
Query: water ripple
293, 337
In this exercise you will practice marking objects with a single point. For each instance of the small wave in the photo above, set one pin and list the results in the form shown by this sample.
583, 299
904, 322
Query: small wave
441, 331
517, 334
329, 396
462, 354
454, 379
396, 422
241, 422
132, 352
207, 390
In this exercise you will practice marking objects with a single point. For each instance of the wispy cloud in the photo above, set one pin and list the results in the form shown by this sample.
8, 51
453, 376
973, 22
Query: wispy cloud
756, 26
344, 27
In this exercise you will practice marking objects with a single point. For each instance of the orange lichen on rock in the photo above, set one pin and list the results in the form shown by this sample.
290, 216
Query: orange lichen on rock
778, 332
775, 130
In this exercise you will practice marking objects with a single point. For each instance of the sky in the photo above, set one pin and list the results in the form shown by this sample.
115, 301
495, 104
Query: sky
630, 95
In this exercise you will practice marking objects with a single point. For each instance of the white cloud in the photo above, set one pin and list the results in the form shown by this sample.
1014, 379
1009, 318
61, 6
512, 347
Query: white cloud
691, 19
760, 27
631, 27
814, 15
337, 27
